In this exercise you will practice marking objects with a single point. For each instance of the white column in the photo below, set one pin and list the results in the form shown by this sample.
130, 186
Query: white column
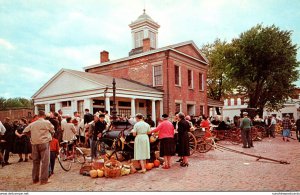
153, 111
133, 107
88, 104
47, 108
161, 107
74, 106
107, 104
57, 106
36, 110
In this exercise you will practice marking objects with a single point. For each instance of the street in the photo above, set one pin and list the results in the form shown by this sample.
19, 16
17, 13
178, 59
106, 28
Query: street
213, 171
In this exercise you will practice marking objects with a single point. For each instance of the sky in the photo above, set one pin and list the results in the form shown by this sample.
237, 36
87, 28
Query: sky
38, 38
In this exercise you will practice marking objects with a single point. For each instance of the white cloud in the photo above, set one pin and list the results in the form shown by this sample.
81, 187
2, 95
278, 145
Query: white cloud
33, 74
6, 44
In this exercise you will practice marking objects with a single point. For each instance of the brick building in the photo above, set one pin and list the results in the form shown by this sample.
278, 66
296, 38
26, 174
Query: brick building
158, 80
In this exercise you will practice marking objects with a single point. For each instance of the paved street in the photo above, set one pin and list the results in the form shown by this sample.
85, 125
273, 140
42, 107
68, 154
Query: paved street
212, 171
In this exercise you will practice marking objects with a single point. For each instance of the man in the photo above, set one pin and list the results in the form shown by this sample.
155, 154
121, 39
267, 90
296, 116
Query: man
9, 138
272, 127
150, 121
286, 125
246, 131
79, 127
55, 122
40, 132
96, 129
298, 129
88, 117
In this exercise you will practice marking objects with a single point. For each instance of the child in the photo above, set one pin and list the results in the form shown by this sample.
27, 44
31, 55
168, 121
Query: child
54, 150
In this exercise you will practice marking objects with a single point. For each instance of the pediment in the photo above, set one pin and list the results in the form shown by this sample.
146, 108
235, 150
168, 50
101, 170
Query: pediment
191, 50
65, 82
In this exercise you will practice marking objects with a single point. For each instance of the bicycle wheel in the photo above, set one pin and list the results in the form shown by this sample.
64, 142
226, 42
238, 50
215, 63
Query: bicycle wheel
63, 160
79, 156
192, 143
203, 146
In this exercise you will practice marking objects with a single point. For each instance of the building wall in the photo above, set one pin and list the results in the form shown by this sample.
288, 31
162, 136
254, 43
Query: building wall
15, 114
141, 70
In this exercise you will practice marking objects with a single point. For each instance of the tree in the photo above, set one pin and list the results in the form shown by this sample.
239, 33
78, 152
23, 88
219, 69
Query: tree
15, 103
263, 62
219, 85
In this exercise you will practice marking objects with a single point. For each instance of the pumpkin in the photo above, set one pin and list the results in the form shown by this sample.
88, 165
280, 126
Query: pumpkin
93, 173
149, 166
156, 163
100, 173
152, 164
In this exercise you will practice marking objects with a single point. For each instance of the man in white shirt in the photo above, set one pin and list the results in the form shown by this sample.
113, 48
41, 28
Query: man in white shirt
2, 129
272, 127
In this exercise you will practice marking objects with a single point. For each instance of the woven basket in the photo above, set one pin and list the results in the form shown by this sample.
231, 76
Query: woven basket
114, 170
85, 168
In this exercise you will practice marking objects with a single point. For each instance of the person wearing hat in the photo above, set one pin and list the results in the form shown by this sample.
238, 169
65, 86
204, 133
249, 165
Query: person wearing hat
166, 139
245, 126
286, 125
96, 128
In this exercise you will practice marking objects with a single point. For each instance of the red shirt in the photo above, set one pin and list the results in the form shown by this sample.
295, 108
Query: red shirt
166, 130
54, 146
205, 124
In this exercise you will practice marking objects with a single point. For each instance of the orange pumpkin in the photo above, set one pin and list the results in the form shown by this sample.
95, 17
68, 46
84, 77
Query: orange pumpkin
152, 164
149, 166
156, 163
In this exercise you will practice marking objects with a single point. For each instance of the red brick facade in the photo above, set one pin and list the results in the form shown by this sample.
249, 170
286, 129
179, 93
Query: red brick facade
140, 69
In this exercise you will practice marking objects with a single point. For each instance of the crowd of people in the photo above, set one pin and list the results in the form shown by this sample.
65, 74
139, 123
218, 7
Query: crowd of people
39, 138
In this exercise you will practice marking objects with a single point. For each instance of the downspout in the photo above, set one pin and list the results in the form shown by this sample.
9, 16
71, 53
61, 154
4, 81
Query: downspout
168, 86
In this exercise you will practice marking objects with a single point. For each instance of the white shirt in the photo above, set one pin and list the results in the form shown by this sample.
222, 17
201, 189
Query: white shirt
2, 129
273, 121
69, 132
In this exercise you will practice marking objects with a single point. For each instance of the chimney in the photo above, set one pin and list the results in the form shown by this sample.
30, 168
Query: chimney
104, 56
146, 44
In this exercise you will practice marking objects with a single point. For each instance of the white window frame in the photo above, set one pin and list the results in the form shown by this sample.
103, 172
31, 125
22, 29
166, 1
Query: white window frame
192, 77
179, 70
180, 103
152, 39
69, 104
138, 38
153, 77
201, 88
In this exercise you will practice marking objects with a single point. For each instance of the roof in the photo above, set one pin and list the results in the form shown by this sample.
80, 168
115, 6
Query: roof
144, 18
214, 103
103, 80
170, 47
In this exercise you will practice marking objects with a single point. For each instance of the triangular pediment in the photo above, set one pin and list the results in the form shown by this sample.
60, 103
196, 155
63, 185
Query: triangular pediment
65, 82
192, 50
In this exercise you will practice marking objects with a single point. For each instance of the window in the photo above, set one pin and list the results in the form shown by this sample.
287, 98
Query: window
177, 107
157, 75
141, 105
52, 107
190, 79
191, 110
98, 102
201, 87
201, 110
124, 112
177, 75
125, 104
66, 104
152, 39
138, 37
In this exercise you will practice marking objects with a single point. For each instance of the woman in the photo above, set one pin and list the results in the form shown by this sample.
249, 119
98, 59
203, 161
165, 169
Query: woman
22, 144
141, 141
205, 124
166, 138
183, 140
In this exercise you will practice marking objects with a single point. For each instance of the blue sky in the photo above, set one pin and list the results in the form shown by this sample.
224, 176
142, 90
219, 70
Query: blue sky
38, 38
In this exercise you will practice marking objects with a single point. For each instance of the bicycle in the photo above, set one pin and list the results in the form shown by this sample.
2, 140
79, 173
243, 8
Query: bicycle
204, 143
66, 157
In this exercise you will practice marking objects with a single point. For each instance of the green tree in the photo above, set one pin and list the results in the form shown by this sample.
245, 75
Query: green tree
264, 64
219, 84
15, 103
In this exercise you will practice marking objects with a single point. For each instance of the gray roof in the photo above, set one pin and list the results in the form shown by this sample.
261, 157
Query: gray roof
107, 81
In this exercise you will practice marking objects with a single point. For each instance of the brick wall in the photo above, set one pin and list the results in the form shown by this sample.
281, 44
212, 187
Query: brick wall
15, 114
141, 70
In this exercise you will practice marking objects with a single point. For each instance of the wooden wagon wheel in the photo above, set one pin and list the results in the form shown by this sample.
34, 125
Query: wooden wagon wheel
192, 143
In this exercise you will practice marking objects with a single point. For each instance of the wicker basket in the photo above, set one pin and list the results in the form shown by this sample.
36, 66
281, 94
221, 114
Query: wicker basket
112, 168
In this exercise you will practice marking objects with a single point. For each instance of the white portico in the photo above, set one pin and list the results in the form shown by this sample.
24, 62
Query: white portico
71, 91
